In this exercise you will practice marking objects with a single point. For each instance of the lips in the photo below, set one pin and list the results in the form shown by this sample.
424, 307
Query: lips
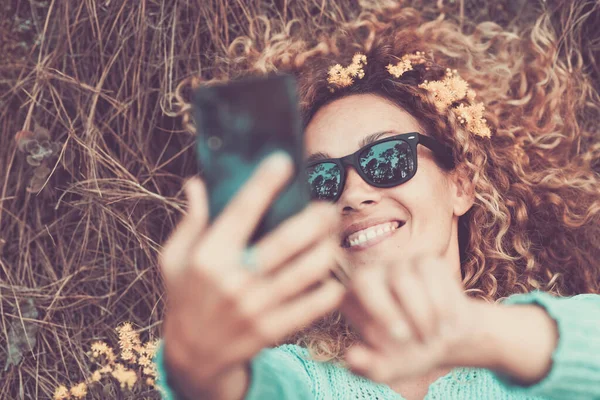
360, 233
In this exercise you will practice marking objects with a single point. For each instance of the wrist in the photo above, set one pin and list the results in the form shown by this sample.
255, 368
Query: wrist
229, 385
177, 381
515, 341
479, 345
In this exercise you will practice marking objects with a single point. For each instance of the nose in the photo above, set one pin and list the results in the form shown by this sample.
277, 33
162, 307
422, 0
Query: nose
357, 194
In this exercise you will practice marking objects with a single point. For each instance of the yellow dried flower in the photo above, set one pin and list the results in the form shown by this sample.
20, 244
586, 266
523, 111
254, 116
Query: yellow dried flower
445, 92
106, 369
472, 117
399, 69
132, 351
457, 86
96, 376
129, 340
61, 393
79, 391
339, 76
101, 348
442, 96
150, 348
406, 64
126, 377
147, 354
471, 95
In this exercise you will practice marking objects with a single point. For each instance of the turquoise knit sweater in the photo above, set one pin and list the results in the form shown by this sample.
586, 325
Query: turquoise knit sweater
287, 372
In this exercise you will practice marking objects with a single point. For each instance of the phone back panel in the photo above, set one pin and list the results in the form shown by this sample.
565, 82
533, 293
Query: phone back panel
239, 124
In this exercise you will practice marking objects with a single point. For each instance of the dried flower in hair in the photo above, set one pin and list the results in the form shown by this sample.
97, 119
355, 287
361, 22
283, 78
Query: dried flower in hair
344, 76
445, 92
452, 89
472, 117
406, 64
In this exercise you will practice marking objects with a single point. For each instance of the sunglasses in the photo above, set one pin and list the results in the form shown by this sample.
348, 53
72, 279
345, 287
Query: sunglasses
384, 163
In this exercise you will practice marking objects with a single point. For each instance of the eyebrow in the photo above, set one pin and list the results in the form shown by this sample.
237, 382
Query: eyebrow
363, 142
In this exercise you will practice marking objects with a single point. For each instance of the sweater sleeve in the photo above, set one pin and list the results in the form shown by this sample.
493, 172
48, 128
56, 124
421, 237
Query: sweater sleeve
166, 391
575, 370
276, 374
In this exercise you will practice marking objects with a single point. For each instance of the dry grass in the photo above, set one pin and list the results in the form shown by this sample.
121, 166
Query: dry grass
97, 76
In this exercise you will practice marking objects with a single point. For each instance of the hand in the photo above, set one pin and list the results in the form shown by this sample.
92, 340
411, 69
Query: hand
219, 313
414, 318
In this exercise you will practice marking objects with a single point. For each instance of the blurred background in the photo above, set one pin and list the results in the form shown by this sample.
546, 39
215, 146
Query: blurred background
93, 156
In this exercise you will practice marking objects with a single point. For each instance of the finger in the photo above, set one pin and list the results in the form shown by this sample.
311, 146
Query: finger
372, 290
372, 332
302, 311
296, 234
278, 324
362, 322
354, 312
236, 224
306, 270
176, 251
409, 290
369, 363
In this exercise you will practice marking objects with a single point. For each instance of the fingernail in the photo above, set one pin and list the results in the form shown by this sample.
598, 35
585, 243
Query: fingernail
400, 331
356, 357
278, 159
187, 185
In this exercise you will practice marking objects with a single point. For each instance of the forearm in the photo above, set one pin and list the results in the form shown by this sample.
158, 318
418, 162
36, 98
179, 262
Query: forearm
525, 337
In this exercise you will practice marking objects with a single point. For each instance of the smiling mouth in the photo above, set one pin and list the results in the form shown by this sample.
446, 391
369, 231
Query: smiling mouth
371, 235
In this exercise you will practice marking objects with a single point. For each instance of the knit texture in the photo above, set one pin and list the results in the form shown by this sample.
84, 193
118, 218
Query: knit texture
287, 372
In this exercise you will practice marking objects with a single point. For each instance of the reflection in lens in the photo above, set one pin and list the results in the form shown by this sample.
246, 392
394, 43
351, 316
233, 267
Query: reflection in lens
388, 162
324, 180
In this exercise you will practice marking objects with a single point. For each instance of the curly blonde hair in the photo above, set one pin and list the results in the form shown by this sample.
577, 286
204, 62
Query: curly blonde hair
535, 223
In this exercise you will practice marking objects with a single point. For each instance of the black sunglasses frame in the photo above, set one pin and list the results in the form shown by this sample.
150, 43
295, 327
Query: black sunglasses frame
441, 151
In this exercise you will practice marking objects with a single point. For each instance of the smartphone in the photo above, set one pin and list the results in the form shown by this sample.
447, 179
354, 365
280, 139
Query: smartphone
239, 124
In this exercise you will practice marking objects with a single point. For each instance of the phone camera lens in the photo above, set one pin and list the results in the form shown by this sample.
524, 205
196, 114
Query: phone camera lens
214, 143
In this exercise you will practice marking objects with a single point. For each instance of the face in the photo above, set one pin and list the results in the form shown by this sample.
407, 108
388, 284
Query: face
416, 217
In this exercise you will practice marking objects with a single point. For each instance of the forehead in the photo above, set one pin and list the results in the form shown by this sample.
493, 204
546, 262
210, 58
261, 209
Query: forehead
338, 128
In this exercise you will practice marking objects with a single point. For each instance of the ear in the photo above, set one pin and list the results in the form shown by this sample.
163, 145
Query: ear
463, 191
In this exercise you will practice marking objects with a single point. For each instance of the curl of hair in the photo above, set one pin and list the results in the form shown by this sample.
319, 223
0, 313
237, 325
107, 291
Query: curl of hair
535, 223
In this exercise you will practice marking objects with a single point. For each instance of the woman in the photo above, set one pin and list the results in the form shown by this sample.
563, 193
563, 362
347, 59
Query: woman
464, 231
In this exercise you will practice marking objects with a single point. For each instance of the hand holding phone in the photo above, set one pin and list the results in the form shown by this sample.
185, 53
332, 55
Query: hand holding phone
220, 314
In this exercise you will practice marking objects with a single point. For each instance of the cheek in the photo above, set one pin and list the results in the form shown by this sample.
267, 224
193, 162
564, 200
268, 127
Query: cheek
427, 199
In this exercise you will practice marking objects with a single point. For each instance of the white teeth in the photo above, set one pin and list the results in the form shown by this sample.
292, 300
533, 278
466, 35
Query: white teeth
358, 238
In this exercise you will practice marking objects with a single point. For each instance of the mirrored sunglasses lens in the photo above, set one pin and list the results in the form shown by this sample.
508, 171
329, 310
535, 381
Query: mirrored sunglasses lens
324, 180
388, 162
